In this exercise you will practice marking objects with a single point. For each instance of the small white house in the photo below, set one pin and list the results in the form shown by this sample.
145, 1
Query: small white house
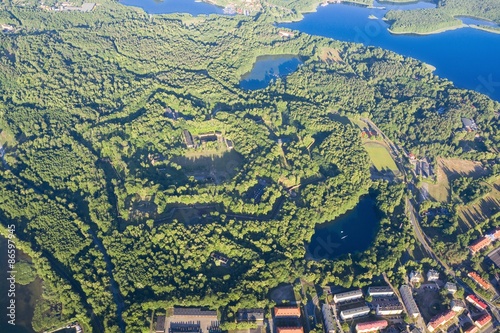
432, 275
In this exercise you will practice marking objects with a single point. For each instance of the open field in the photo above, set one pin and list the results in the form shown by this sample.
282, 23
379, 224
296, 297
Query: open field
380, 157
448, 170
440, 191
488, 206
329, 54
455, 168
214, 166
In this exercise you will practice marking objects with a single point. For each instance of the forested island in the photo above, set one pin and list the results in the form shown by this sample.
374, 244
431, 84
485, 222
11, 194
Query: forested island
444, 17
132, 158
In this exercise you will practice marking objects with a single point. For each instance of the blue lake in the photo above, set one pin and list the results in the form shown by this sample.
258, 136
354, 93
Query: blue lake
475, 21
352, 232
174, 6
25, 296
466, 56
268, 68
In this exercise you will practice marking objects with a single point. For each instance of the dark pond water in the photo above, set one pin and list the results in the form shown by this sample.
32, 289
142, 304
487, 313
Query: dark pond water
25, 298
466, 56
268, 68
174, 6
349, 233
475, 21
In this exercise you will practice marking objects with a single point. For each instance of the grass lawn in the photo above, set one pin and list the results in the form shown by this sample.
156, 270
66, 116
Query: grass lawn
485, 208
439, 191
380, 157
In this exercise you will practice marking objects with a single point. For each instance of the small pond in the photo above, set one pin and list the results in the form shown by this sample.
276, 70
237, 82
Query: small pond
475, 21
352, 232
174, 6
268, 68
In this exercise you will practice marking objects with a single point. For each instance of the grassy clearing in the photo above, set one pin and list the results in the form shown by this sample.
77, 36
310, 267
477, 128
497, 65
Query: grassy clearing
448, 170
329, 55
221, 165
380, 157
455, 168
439, 191
485, 208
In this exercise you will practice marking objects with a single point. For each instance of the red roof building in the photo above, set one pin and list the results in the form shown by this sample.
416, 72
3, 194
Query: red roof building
472, 329
472, 299
479, 280
440, 320
287, 312
290, 330
480, 244
483, 320
496, 234
371, 326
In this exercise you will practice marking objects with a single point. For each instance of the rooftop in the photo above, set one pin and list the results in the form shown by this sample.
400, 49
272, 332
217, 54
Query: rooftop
349, 294
476, 302
371, 326
441, 319
360, 309
250, 314
381, 289
483, 320
480, 244
287, 311
160, 324
290, 330
194, 312
479, 280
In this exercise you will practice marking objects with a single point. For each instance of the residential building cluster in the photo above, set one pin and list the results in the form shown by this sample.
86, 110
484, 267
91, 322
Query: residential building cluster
440, 320
484, 241
201, 139
287, 319
480, 305
479, 280
382, 310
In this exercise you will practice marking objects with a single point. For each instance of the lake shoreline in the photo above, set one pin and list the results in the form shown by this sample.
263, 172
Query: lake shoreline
438, 31
435, 32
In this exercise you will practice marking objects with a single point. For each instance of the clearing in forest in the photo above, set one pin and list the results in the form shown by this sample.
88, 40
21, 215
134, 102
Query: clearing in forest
329, 54
455, 168
439, 191
447, 171
485, 208
380, 157
212, 166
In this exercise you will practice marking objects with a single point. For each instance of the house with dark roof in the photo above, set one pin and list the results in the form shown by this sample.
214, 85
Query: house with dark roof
380, 291
188, 139
469, 125
250, 315
160, 324
192, 320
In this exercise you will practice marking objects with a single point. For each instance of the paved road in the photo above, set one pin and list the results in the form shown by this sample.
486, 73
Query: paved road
334, 309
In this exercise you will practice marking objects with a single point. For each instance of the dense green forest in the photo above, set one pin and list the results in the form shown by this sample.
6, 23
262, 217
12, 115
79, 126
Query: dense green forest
444, 16
123, 217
